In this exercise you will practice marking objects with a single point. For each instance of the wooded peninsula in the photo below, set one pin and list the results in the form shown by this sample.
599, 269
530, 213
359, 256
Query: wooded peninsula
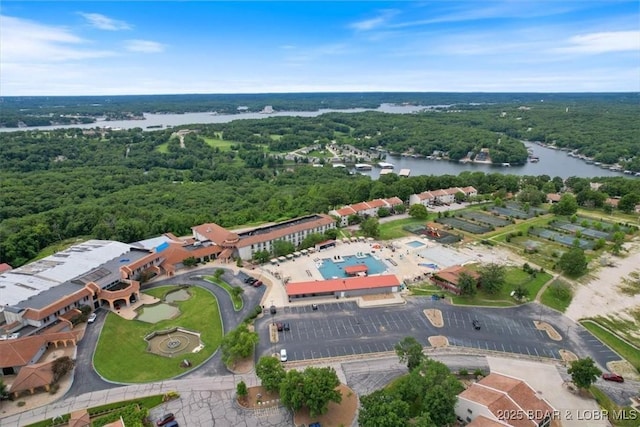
132, 184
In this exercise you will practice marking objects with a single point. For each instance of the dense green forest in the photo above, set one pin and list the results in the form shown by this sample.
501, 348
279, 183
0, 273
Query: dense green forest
131, 184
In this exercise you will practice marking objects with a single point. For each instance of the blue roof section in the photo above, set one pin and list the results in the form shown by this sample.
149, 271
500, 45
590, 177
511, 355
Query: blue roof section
161, 247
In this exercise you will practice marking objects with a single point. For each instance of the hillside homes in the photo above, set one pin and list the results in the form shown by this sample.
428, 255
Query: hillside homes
364, 209
441, 197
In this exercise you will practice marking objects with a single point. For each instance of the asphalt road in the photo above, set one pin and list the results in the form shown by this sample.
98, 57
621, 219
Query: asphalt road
342, 329
87, 380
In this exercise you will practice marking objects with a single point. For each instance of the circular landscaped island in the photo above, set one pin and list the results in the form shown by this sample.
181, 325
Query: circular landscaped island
138, 351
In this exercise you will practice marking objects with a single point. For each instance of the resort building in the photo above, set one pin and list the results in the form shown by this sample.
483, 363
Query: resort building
441, 197
364, 209
38, 294
449, 277
502, 400
345, 287
244, 244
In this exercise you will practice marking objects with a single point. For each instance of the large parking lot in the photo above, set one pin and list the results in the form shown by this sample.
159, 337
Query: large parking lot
343, 329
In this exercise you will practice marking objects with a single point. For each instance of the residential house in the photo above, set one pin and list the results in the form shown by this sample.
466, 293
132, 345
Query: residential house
364, 209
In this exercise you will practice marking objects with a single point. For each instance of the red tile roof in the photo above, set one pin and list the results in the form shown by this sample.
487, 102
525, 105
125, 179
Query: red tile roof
362, 206
452, 274
377, 203
355, 269
277, 233
427, 195
503, 394
20, 351
335, 285
394, 201
346, 211
33, 376
5, 267
216, 233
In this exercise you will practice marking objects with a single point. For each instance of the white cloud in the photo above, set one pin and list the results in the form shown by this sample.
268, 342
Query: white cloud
144, 46
103, 22
27, 41
603, 42
373, 23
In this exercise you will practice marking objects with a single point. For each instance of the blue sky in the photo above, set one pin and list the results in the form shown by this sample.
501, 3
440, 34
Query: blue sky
159, 47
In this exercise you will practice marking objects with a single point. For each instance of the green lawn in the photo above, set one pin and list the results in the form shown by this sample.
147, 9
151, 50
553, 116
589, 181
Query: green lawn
145, 402
558, 295
629, 353
393, 229
236, 300
163, 148
121, 351
222, 144
514, 277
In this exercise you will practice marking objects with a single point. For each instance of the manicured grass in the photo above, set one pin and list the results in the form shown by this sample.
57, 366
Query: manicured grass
514, 277
619, 416
145, 402
235, 299
121, 353
393, 229
222, 144
629, 353
558, 295
425, 288
163, 148
321, 154
624, 328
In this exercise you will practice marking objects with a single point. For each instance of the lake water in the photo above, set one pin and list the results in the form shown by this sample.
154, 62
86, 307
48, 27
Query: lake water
552, 162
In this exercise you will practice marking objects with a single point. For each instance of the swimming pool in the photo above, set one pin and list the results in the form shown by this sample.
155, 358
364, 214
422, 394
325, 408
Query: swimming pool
330, 269
415, 244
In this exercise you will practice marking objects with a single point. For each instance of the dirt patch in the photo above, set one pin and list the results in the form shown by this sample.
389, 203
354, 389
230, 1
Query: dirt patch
611, 292
377, 297
435, 317
567, 356
438, 341
551, 332
624, 368
339, 414
259, 397
242, 366
273, 333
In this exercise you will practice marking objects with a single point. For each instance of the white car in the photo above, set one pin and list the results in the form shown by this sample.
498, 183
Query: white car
91, 318
283, 355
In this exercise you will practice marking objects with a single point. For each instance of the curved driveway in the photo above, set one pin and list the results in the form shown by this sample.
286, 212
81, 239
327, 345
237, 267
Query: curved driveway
86, 380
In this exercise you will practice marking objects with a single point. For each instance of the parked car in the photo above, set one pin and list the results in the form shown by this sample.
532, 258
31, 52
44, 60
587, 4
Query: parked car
257, 284
315, 425
173, 423
92, 318
283, 355
287, 327
273, 309
165, 419
612, 377
280, 326
314, 307
248, 279
476, 324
